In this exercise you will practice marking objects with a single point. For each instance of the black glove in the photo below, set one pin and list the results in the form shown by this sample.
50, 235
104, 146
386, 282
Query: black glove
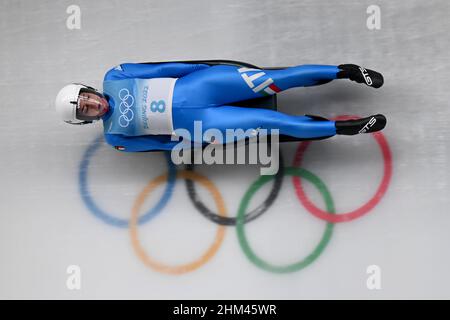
361, 75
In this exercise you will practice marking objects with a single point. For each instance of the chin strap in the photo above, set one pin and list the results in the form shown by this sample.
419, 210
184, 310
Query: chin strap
81, 123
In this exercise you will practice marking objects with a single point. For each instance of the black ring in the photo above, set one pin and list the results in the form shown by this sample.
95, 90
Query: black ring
231, 221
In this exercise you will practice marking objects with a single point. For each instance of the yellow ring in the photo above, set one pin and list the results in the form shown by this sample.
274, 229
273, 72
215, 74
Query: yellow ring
212, 250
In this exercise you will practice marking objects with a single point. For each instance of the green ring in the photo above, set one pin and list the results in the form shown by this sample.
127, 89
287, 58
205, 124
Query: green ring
240, 222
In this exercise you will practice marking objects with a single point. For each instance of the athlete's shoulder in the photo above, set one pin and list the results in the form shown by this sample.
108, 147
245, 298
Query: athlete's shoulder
119, 142
113, 73
132, 70
115, 141
118, 72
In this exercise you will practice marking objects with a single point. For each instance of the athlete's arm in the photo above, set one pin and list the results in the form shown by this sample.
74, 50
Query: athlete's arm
139, 143
312, 75
153, 70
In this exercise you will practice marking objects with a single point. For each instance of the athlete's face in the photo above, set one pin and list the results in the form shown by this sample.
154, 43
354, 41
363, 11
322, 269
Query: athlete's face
91, 106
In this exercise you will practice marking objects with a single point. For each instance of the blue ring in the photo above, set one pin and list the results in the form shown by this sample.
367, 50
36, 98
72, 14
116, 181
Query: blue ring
103, 215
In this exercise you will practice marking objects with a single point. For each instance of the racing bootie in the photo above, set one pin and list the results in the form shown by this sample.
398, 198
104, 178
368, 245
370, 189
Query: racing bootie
364, 125
361, 75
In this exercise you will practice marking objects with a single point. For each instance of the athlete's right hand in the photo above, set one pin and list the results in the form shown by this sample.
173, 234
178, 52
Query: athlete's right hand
361, 75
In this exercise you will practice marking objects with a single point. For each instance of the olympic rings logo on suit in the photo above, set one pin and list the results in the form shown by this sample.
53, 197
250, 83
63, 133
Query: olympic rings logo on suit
219, 217
127, 114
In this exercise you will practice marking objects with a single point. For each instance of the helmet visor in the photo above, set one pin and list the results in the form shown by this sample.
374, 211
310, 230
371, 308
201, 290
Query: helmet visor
90, 106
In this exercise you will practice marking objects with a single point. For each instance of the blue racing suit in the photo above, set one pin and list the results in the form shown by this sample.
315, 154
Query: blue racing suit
204, 93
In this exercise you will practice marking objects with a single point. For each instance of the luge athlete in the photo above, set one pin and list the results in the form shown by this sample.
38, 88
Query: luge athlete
142, 104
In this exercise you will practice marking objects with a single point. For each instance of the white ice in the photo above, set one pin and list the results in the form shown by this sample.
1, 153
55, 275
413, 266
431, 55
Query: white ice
45, 226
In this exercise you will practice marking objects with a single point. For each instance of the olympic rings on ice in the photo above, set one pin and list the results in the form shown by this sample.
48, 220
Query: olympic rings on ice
212, 250
242, 217
251, 255
104, 215
231, 221
348, 216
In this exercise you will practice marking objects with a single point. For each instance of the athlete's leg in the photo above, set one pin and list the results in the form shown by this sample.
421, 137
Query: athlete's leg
222, 84
226, 84
229, 117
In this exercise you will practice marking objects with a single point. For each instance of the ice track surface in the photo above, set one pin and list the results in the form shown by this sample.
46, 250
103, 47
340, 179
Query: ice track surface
67, 197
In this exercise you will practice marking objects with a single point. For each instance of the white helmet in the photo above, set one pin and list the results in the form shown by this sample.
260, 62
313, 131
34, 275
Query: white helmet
66, 102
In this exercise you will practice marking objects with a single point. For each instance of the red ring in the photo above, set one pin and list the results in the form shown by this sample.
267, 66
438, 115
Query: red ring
348, 216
